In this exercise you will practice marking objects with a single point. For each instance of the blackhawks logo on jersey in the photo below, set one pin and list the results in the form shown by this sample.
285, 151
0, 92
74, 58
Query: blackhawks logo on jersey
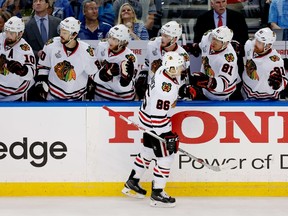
207, 68
229, 57
274, 58
90, 51
50, 41
25, 47
130, 57
166, 87
65, 71
251, 70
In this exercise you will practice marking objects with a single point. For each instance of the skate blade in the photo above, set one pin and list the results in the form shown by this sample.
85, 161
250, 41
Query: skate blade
131, 193
158, 204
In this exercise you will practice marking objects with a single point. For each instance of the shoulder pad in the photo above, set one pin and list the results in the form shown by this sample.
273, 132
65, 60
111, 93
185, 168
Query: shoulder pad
25, 47
50, 41
90, 50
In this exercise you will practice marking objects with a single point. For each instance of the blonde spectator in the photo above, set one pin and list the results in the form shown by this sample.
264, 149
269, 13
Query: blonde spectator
137, 29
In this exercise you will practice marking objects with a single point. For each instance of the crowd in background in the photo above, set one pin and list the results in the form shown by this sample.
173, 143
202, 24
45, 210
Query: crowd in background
142, 18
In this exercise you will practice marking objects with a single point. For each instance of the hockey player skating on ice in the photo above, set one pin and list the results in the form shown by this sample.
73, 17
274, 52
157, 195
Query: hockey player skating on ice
17, 62
264, 75
219, 70
65, 65
156, 48
160, 98
117, 66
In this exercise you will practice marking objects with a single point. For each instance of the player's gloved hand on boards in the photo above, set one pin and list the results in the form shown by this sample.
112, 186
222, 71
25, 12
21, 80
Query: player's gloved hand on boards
91, 85
17, 68
141, 84
127, 72
285, 63
172, 141
192, 48
187, 91
156, 64
41, 88
108, 70
202, 80
275, 79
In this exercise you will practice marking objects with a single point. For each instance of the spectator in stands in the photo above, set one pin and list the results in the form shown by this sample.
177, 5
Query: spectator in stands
278, 16
37, 34
134, 3
62, 9
4, 16
148, 13
264, 76
105, 12
136, 27
91, 27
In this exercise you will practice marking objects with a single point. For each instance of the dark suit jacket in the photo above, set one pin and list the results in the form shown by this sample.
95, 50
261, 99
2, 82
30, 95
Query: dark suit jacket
235, 21
32, 34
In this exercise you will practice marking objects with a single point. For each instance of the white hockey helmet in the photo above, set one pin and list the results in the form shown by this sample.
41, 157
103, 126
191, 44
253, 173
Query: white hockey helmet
174, 63
222, 33
14, 24
173, 29
70, 24
120, 32
266, 36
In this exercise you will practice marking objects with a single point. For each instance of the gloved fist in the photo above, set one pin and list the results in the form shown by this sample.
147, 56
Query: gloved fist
275, 79
202, 80
108, 70
141, 84
41, 91
156, 64
17, 68
237, 47
187, 91
127, 72
172, 141
194, 49
3, 61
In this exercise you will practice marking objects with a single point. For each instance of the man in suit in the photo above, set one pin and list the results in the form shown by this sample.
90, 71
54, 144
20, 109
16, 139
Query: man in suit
35, 33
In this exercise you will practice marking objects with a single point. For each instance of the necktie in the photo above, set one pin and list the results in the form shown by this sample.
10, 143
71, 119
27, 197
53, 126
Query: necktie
220, 23
43, 30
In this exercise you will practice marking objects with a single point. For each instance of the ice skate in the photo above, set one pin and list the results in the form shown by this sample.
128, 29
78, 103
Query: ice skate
133, 189
159, 198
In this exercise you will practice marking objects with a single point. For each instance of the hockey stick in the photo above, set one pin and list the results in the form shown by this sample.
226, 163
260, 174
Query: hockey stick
214, 168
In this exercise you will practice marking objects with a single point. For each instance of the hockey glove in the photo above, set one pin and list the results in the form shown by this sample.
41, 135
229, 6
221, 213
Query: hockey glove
194, 49
172, 141
41, 88
275, 80
3, 60
187, 91
204, 81
285, 63
91, 85
141, 84
155, 65
127, 72
237, 47
108, 70
17, 68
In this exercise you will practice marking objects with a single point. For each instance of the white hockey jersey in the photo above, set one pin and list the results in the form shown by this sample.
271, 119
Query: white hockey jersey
155, 52
12, 86
257, 71
67, 72
220, 65
112, 90
160, 98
